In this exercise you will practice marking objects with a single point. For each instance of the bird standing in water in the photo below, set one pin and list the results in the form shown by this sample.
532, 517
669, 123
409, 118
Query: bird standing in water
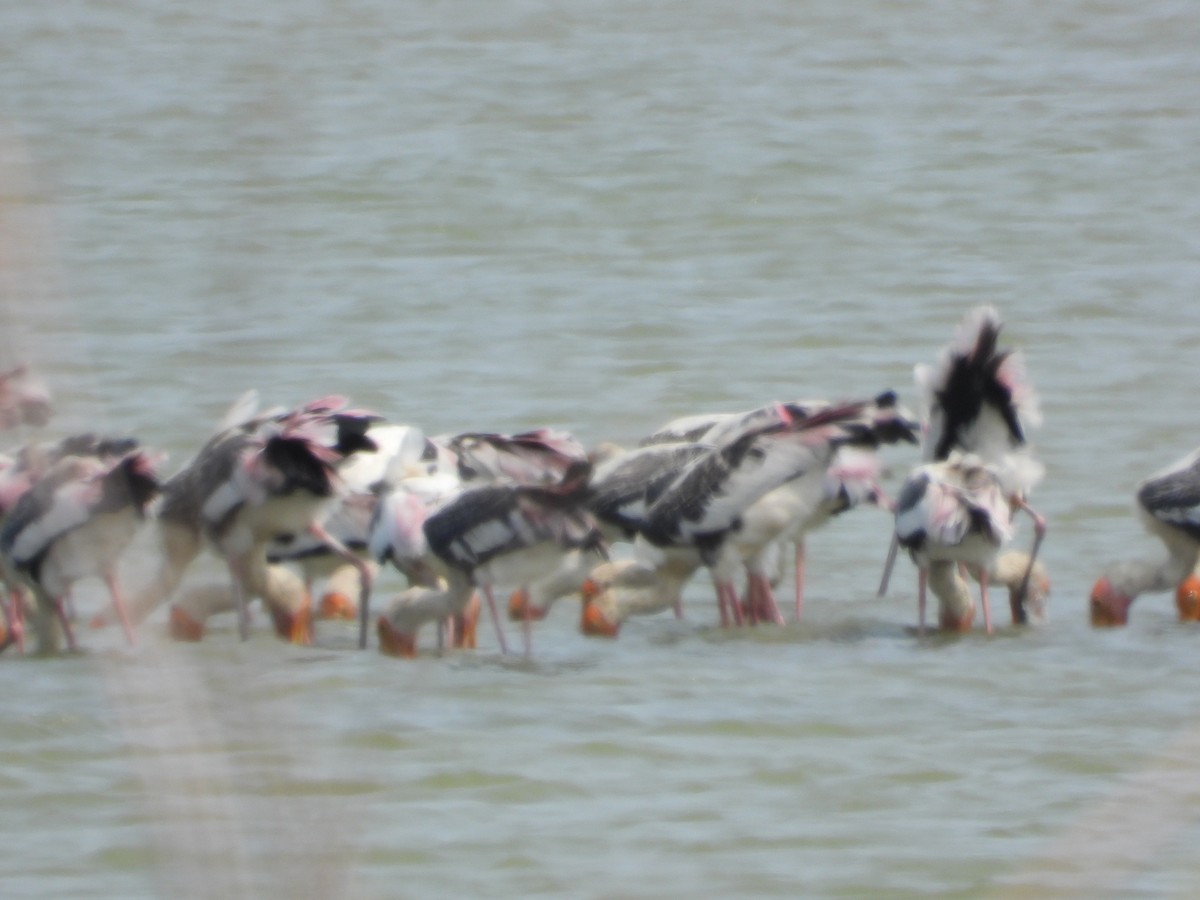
709, 504
977, 404
450, 548
949, 514
1168, 505
74, 523
258, 478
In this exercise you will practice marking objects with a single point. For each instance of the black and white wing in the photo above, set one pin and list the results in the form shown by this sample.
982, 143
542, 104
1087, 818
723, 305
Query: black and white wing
977, 398
711, 493
944, 503
686, 429
624, 488
541, 456
1173, 496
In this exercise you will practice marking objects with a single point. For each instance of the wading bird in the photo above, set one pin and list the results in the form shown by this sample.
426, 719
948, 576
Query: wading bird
1168, 504
978, 402
73, 523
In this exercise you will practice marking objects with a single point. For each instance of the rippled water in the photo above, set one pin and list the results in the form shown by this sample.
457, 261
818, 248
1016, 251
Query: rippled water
599, 216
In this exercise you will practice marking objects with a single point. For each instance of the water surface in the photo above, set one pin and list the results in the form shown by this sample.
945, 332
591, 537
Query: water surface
598, 217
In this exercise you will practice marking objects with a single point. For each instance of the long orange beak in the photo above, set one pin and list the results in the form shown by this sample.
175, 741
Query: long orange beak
1109, 609
182, 627
520, 609
393, 642
1187, 599
595, 624
335, 605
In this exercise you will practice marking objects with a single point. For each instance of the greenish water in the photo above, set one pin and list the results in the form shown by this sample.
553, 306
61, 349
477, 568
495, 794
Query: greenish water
598, 217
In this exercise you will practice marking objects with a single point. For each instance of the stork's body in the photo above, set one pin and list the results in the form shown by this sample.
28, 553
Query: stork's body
949, 514
977, 402
707, 506
394, 452
793, 509
259, 478
463, 540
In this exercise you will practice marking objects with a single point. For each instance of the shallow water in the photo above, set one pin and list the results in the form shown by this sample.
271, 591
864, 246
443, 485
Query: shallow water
480, 216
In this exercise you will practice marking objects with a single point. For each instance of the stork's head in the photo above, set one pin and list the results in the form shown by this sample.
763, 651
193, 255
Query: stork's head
336, 605
293, 623
181, 626
393, 641
1109, 606
956, 618
1187, 599
520, 607
595, 622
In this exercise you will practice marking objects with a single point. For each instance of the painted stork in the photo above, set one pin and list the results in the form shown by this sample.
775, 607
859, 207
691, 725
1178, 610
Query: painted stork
74, 523
1168, 505
979, 401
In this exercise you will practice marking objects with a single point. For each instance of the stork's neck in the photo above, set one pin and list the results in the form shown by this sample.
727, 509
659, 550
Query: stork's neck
563, 580
645, 601
1008, 569
1140, 576
954, 596
418, 605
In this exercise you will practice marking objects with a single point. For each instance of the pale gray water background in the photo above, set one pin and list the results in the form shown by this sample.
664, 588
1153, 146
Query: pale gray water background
597, 216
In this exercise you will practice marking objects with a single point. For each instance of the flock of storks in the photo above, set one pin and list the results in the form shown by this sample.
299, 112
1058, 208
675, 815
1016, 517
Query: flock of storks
326, 493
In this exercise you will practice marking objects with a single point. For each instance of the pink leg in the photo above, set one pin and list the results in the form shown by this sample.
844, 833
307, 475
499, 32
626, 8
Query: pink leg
727, 601
491, 602
731, 597
983, 598
799, 578
765, 599
68, 603
16, 617
114, 590
60, 609
750, 604
922, 584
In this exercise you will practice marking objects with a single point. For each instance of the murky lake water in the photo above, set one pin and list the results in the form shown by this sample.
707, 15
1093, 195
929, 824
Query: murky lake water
598, 216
